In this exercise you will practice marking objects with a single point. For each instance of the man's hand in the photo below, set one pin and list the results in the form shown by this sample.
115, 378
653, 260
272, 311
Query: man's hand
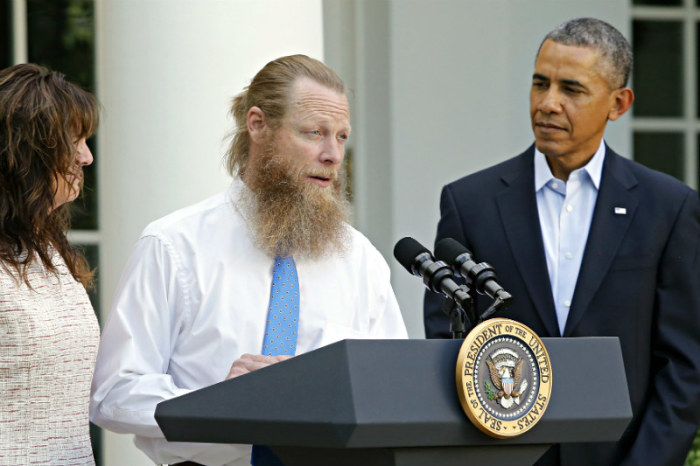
252, 362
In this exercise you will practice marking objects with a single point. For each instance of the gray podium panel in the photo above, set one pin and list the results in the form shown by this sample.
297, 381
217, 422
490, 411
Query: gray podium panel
392, 398
518, 455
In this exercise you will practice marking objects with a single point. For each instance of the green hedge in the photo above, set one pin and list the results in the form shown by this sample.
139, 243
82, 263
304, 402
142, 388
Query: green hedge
693, 458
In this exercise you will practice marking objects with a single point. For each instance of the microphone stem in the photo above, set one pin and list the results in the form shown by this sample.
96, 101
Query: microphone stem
497, 304
459, 307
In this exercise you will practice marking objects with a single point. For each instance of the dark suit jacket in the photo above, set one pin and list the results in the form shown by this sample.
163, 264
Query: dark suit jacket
639, 280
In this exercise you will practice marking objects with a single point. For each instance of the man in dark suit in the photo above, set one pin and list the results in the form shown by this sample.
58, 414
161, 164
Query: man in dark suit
590, 243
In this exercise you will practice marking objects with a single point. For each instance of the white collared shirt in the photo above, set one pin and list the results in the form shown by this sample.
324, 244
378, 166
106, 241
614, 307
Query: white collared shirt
193, 298
565, 211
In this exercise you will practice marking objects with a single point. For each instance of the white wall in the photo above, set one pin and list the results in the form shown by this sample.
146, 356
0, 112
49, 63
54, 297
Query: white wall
442, 91
167, 71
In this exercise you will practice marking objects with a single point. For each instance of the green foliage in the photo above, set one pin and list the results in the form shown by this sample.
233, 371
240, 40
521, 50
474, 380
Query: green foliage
693, 458
490, 391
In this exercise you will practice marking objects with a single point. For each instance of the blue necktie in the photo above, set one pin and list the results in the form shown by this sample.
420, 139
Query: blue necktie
280, 331
283, 312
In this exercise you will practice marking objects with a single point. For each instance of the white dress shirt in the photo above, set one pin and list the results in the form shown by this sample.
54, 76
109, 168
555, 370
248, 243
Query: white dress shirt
565, 211
193, 298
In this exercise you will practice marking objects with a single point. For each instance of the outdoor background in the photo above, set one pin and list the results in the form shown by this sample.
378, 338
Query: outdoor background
438, 89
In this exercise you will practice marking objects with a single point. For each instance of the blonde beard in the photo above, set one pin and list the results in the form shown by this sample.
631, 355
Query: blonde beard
290, 216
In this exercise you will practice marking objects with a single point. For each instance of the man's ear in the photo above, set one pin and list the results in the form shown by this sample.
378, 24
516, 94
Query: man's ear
623, 101
256, 124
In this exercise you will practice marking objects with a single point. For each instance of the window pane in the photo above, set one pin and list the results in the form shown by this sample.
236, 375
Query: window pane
697, 62
96, 438
349, 161
61, 36
658, 68
657, 2
5, 33
660, 151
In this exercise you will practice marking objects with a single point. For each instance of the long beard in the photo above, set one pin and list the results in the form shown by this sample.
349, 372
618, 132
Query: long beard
289, 215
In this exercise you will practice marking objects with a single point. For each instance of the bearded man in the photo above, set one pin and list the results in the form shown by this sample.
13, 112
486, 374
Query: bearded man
250, 277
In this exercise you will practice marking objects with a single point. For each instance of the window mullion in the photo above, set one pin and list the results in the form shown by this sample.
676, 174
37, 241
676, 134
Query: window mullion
691, 92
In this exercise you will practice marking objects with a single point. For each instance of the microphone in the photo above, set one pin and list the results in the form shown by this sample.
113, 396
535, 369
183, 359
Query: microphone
437, 275
481, 276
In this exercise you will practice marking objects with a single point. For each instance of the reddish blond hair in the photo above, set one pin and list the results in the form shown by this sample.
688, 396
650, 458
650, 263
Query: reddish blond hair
269, 90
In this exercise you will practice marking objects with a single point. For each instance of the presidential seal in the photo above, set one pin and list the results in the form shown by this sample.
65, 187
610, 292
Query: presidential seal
504, 377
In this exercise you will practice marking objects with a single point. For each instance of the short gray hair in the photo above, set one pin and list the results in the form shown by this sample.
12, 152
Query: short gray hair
594, 33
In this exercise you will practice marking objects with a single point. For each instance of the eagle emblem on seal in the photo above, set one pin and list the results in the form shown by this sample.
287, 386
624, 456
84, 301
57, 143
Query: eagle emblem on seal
507, 384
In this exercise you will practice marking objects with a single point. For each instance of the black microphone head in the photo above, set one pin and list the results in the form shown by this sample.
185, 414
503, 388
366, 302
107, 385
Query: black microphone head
448, 249
406, 250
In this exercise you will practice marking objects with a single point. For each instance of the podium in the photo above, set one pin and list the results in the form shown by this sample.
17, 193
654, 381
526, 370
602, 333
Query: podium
394, 402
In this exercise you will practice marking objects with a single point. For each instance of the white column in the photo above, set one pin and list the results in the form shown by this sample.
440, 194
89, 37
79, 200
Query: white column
19, 26
167, 71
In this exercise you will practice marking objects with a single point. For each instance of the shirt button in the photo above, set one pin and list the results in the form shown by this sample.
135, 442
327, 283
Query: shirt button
569, 208
554, 185
567, 303
569, 255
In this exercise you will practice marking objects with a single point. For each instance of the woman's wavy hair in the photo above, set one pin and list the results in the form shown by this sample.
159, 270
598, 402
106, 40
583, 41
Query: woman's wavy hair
41, 117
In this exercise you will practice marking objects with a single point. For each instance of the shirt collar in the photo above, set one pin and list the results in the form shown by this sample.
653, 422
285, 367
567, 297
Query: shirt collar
594, 168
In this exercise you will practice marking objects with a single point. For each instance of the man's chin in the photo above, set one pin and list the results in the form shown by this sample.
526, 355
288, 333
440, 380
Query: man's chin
320, 191
549, 148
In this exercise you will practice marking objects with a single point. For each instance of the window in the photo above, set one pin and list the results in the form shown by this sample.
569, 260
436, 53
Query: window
666, 112
5, 33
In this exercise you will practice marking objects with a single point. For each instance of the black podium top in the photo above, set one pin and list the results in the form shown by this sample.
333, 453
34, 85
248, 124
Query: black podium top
395, 393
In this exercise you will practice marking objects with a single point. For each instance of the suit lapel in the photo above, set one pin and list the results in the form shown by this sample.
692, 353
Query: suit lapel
612, 216
518, 210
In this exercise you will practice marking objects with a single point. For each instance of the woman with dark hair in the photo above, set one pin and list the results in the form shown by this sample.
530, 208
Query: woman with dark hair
48, 330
